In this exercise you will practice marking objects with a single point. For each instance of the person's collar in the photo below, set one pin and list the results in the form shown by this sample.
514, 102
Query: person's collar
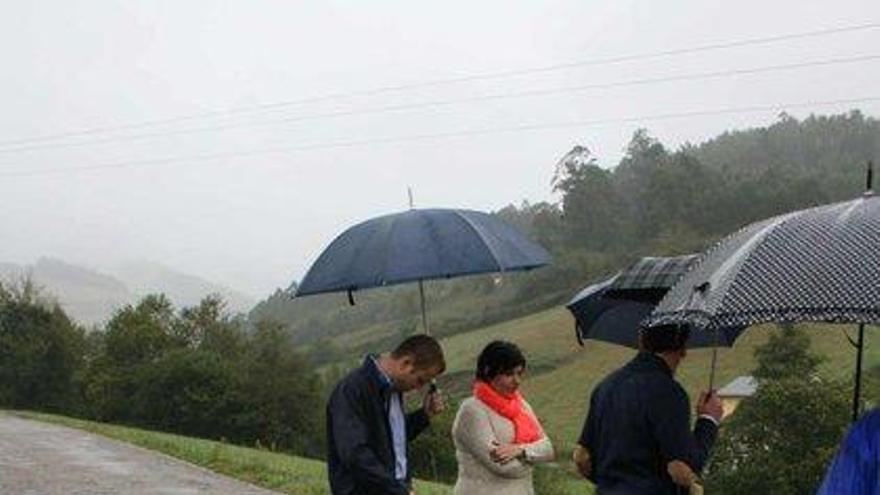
371, 362
653, 360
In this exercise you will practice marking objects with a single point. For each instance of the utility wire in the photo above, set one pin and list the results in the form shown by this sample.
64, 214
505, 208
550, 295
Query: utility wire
433, 137
451, 80
453, 101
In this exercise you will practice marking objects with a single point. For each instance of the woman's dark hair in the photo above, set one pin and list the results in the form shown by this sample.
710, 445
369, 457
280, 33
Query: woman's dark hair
498, 358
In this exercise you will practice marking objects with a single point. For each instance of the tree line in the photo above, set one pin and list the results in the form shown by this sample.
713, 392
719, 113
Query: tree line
197, 371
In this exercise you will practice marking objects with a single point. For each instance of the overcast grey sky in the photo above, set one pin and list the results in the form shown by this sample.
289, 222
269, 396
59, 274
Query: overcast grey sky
254, 219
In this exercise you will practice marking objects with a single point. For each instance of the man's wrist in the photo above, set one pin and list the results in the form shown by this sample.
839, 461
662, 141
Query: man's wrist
711, 418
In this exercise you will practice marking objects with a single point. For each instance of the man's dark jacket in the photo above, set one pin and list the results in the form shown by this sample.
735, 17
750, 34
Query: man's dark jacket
639, 421
360, 457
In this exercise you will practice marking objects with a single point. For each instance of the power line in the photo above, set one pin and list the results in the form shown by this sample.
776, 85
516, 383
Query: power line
452, 80
453, 101
434, 136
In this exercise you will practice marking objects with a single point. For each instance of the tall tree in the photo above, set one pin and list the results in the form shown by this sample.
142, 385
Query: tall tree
281, 393
41, 351
644, 155
592, 211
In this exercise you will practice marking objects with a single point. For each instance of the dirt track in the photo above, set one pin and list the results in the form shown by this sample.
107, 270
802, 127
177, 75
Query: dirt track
43, 459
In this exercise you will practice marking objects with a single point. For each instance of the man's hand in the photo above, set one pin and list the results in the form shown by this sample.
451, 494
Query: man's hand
681, 473
709, 404
581, 457
502, 454
433, 403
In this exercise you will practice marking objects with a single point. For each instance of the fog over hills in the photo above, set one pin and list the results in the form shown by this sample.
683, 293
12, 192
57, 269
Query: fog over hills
146, 277
90, 296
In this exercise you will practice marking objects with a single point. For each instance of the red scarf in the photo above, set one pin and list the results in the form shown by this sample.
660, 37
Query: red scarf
525, 426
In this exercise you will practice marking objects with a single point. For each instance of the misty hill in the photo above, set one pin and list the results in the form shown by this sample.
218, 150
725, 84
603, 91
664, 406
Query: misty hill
146, 277
90, 297
87, 296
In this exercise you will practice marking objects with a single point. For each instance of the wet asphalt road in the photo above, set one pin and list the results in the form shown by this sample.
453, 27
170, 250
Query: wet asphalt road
43, 459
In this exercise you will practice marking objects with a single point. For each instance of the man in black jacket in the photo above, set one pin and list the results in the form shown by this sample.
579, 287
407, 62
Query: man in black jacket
636, 439
367, 430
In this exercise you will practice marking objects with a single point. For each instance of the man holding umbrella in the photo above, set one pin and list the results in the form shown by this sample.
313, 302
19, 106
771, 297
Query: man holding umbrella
636, 438
367, 430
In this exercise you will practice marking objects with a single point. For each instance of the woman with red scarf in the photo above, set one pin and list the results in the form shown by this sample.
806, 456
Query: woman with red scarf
497, 436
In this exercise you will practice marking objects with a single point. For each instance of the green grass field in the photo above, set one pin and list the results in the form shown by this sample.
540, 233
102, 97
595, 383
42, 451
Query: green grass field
284, 473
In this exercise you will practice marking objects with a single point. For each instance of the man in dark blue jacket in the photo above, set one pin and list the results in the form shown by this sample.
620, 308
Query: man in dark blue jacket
367, 429
637, 439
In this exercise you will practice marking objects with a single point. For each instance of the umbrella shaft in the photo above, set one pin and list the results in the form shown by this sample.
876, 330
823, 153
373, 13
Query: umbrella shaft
712, 372
858, 377
714, 361
424, 312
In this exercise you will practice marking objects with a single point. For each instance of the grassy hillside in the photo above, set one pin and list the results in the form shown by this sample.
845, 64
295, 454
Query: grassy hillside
284, 473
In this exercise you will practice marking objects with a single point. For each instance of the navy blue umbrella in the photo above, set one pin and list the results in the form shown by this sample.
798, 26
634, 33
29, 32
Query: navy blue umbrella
608, 319
418, 245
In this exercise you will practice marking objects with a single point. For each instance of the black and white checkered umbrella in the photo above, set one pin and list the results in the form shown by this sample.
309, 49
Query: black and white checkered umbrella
654, 272
816, 265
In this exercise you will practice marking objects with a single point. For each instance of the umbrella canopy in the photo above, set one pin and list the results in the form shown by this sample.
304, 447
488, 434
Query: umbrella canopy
816, 265
418, 245
613, 309
821, 265
599, 317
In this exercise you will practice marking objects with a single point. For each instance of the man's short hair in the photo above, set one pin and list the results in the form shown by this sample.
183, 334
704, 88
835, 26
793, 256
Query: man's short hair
665, 338
425, 351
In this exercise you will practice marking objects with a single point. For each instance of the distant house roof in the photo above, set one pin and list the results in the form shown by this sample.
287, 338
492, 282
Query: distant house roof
743, 386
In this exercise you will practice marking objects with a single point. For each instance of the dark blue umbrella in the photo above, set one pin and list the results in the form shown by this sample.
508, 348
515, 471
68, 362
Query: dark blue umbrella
418, 245
608, 319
